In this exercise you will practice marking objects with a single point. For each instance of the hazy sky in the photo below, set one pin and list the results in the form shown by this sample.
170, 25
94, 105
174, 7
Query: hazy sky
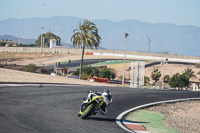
180, 12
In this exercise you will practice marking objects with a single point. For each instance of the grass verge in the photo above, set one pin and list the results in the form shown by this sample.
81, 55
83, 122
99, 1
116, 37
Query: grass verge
150, 120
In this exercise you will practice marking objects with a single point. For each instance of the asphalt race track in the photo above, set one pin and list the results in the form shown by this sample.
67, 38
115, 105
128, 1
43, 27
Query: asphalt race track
76, 63
52, 109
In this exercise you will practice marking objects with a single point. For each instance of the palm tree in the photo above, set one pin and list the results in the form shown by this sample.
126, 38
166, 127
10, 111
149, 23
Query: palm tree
85, 36
189, 73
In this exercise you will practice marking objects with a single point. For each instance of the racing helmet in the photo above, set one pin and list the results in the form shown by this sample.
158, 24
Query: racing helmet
108, 94
107, 91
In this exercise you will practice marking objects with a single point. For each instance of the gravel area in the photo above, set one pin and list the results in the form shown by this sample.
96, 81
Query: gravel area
7, 75
183, 116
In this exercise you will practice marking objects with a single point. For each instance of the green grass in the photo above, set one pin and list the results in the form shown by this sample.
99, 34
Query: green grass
112, 62
150, 120
109, 63
104, 63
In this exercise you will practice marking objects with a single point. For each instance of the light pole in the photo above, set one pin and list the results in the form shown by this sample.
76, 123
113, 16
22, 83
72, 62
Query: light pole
99, 59
42, 38
58, 41
126, 35
163, 63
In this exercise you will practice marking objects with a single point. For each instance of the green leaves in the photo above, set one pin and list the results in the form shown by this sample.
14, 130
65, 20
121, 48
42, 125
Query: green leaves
31, 68
179, 81
86, 35
155, 75
107, 73
189, 73
47, 37
89, 71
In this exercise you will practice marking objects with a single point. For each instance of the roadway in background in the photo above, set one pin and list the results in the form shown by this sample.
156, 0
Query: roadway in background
76, 63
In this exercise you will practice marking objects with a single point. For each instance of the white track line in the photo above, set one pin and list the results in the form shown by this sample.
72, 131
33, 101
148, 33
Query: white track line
119, 121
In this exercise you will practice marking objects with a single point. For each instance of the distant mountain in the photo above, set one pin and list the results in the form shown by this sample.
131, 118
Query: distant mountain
13, 38
66, 45
32, 41
177, 39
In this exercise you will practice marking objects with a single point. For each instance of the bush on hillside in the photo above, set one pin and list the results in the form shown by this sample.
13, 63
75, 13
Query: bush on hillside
31, 68
88, 71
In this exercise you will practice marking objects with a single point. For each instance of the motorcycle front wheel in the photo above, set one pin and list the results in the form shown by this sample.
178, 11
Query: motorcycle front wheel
88, 111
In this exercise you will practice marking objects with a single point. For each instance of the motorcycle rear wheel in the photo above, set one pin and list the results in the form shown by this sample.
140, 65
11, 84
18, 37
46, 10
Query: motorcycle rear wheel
88, 111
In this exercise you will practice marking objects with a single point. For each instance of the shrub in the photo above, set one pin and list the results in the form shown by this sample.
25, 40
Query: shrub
76, 72
107, 73
1, 65
179, 81
91, 72
146, 80
43, 70
167, 78
31, 68
84, 76
155, 75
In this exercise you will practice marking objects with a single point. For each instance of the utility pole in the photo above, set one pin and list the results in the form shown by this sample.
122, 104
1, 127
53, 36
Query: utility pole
164, 63
149, 43
42, 38
126, 35
19, 40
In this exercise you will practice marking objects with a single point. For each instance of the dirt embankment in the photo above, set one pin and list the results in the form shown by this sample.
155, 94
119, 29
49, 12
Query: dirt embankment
7, 75
183, 116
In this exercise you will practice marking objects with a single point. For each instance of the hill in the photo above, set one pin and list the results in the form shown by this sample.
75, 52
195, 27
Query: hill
13, 38
177, 39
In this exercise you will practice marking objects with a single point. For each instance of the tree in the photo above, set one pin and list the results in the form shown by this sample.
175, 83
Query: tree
2, 44
146, 80
47, 37
91, 72
189, 73
179, 81
106, 73
88, 71
166, 78
95, 72
85, 36
155, 75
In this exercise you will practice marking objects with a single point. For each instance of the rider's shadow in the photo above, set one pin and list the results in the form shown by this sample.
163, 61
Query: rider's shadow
113, 120
102, 119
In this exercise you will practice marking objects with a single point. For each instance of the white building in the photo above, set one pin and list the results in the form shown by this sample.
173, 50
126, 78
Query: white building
54, 45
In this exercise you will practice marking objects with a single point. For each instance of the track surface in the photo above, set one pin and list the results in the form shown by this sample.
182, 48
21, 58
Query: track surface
76, 63
54, 109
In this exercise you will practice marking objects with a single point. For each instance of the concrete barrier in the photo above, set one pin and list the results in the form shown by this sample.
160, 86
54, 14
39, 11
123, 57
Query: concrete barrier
142, 57
108, 52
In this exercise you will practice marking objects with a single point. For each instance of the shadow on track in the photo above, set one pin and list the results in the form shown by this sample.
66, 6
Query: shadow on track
113, 120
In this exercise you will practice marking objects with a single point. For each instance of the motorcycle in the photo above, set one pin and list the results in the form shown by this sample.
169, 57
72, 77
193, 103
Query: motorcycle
91, 105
